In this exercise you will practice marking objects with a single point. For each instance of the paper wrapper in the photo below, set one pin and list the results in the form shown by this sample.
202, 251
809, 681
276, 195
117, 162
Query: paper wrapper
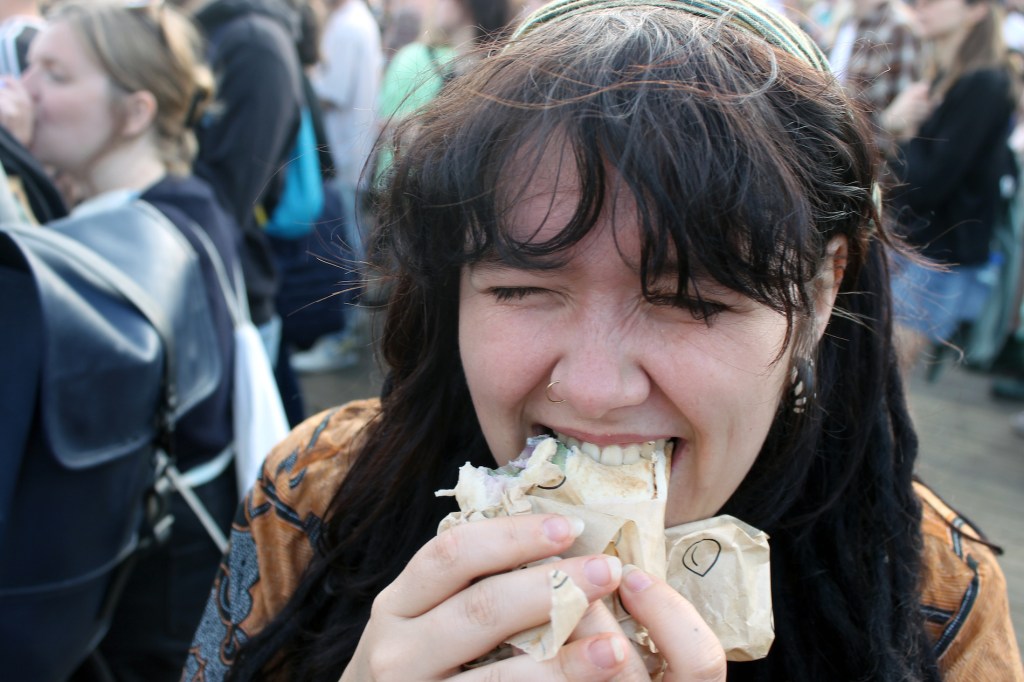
623, 510
568, 602
721, 566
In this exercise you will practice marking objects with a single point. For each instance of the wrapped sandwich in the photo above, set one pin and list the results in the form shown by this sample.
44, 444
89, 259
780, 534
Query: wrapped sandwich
719, 564
622, 507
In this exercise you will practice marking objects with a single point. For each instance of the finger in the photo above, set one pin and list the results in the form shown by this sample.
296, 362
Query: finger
596, 659
475, 621
600, 620
596, 620
489, 612
451, 561
691, 649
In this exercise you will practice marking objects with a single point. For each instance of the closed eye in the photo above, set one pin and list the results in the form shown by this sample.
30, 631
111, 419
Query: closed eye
513, 294
699, 307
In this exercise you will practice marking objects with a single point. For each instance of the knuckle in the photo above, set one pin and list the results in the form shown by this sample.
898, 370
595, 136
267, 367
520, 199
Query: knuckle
563, 668
379, 607
447, 550
513, 539
383, 605
383, 664
712, 668
481, 606
492, 674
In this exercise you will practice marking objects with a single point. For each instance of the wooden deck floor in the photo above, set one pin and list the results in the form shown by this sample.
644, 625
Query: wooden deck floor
968, 453
972, 458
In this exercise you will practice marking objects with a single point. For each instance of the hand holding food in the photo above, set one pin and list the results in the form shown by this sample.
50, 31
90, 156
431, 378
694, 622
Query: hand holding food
459, 598
622, 505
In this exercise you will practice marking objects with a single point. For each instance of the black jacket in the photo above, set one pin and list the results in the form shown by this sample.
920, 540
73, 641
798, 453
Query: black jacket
248, 135
949, 202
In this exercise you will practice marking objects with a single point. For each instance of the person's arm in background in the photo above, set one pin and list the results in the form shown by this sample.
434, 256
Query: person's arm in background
933, 165
332, 79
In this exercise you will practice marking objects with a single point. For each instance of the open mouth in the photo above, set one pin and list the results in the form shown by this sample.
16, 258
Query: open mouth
617, 455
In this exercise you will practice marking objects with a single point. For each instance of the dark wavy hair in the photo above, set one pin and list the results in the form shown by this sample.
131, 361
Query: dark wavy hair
743, 162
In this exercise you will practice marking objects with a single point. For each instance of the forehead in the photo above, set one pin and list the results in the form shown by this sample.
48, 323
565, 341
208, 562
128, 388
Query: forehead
544, 195
60, 42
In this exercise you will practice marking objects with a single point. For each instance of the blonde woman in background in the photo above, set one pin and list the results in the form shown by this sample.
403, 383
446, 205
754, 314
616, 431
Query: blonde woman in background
114, 92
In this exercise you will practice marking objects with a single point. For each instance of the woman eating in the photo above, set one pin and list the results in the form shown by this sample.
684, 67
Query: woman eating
633, 222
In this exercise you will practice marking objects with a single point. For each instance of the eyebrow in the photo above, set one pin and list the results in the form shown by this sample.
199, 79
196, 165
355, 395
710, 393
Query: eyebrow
496, 265
551, 262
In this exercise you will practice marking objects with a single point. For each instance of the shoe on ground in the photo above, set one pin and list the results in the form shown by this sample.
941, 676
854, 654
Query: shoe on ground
1017, 423
1008, 389
330, 353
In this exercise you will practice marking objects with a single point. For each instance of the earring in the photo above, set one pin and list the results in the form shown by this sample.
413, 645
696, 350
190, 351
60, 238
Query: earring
547, 392
802, 379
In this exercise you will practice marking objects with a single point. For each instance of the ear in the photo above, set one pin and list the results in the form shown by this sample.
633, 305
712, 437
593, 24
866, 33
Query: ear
139, 113
827, 283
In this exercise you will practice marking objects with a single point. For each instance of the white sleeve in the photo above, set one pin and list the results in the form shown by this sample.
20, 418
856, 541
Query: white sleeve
334, 77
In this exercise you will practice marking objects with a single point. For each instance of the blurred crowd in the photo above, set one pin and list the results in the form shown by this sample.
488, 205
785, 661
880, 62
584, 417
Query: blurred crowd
262, 127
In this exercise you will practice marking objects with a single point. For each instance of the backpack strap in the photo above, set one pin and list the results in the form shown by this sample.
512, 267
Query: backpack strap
174, 479
234, 294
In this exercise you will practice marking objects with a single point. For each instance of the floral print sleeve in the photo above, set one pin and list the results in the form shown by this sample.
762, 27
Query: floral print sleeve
274, 535
964, 599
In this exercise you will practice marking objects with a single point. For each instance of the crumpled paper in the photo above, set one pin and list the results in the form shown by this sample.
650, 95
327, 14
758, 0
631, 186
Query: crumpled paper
721, 566
623, 510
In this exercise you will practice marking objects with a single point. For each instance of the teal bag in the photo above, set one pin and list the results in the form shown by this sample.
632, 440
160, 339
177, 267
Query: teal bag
302, 195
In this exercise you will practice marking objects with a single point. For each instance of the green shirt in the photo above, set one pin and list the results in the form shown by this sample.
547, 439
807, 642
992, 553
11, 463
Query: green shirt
413, 79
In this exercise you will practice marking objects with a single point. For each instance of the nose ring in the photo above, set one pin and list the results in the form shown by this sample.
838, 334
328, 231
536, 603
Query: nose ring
547, 392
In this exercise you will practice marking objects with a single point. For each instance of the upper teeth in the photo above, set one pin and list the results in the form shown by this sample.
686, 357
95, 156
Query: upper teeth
616, 455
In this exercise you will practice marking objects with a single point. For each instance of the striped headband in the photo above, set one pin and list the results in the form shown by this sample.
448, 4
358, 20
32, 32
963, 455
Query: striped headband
750, 15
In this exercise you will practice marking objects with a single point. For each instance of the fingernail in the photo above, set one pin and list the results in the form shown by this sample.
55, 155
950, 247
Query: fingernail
561, 528
635, 579
607, 652
603, 571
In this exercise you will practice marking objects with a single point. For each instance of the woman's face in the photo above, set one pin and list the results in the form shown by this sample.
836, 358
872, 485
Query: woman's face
73, 101
629, 371
939, 19
448, 16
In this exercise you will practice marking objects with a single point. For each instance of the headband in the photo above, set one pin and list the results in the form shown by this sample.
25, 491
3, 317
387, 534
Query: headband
752, 16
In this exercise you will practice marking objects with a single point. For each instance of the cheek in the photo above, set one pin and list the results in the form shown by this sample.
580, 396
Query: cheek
500, 356
736, 362
80, 111
57, 117
505, 365
54, 104
48, 125
729, 392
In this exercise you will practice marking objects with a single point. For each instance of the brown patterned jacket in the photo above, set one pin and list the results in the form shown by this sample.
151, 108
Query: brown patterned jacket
964, 591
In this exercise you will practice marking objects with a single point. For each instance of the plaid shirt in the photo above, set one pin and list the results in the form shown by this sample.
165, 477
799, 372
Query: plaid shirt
885, 59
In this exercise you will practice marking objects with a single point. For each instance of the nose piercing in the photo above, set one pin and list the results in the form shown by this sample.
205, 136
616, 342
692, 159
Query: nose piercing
547, 392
